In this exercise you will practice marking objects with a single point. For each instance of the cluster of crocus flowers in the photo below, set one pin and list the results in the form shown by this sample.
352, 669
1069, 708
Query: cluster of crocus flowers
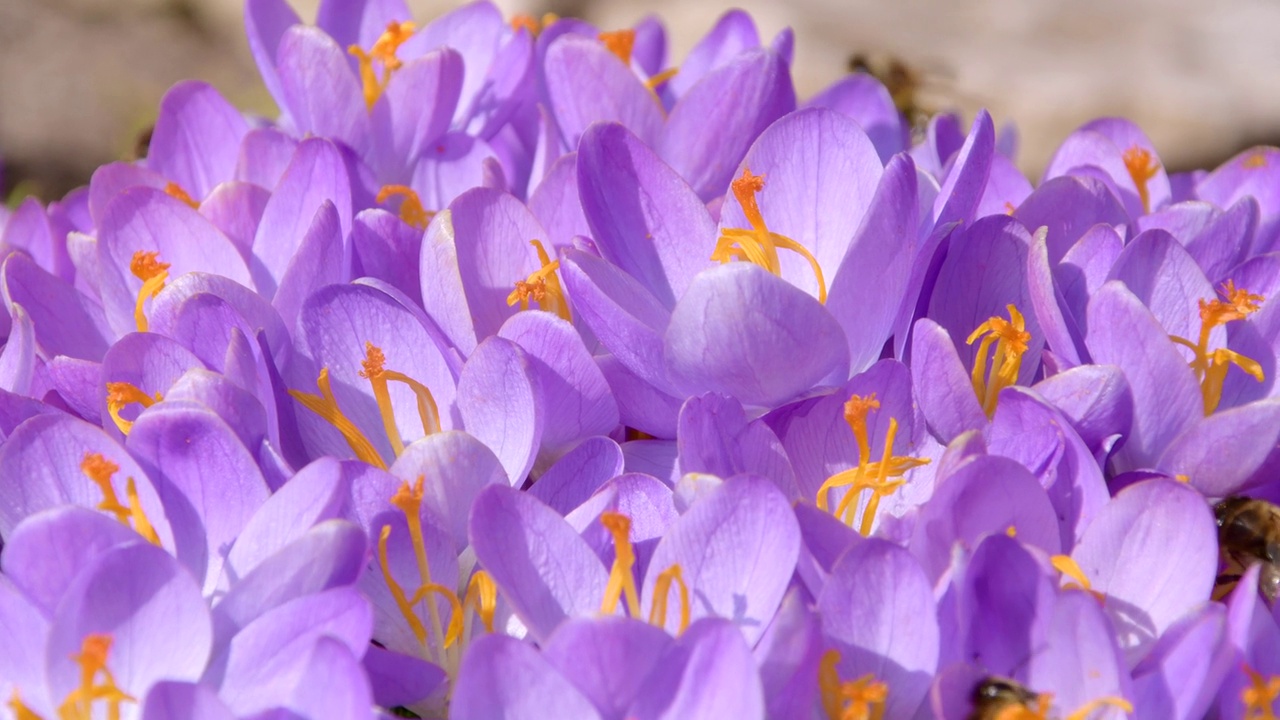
520, 370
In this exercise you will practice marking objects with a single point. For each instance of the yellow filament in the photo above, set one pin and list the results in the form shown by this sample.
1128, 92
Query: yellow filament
1260, 696
1044, 703
881, 477
860, 699
383, 52
1142, 168
482, 598
1210, 366
100, 470
408, 500
621, 581
619, 42
397, 593
20, 709
542, 286
758, 245
92, 660
326, 406
1010, 338
656, 81
122, 394
174, 190
373, 370
411, 210
146, 266
1067, 565
424, 592
662, 590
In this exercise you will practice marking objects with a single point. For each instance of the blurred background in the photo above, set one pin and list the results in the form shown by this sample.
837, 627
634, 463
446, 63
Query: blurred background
81, 79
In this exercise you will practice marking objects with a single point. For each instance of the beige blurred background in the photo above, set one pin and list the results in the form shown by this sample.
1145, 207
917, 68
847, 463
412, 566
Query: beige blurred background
80, 79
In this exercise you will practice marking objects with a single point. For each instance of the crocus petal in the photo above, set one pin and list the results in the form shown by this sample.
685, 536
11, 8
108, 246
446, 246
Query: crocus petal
265, 649
576, 398
882, 248
556, 205
710, 129
41, 463
17, 357
1004, 601
265, 24
788, 655
586, 83
420, 98
1124, 333
708, 673
737, 548
821, 172
318, 262
643, 216
204, 475
1249, 174
317, 173
236, 208
176, 700
264, 155
502, 677
317, 492
1220, 453
987, 496
196, 141
358, 23
319, 89
501, 404
733, 34
401, 679
715, 438
544, 570
640, 405
743, 332
985, 271
143, 219
878, 610
1035, 434
1151, 552
1160, 273
331, 554
1178, 678
607, 659
337, 323
578, 474
964, 185
152, 609
458, 467
1062, 335
387, 248
1080, 661
46, 552
63, 322
1069, 206
945, 390
491, 234
1095, 398
863, 98
1083, 270
202, 324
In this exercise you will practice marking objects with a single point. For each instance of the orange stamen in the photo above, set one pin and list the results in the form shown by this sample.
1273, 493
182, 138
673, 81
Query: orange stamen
411, 210
146, 266
1210, 366
1142, 168
1011, 338
542, 286
383, 52
122, 394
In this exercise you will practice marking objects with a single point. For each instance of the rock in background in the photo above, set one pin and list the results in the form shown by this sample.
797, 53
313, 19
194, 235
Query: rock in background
79, 79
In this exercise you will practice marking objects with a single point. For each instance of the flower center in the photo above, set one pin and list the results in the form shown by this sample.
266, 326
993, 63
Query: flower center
1010, 338
146, 266
1142, 167
1210, 366
535, 26
411, 210
619, 42
757, 244
100, 470
122, 394
383, 52
542, 286
1260, 696
860, 699
79, 703
882, 477
372, 368
622, 581
174, 190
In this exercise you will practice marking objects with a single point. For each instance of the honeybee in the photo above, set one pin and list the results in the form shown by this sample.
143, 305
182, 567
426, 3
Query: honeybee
993, 695
1249, 532
904, 83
